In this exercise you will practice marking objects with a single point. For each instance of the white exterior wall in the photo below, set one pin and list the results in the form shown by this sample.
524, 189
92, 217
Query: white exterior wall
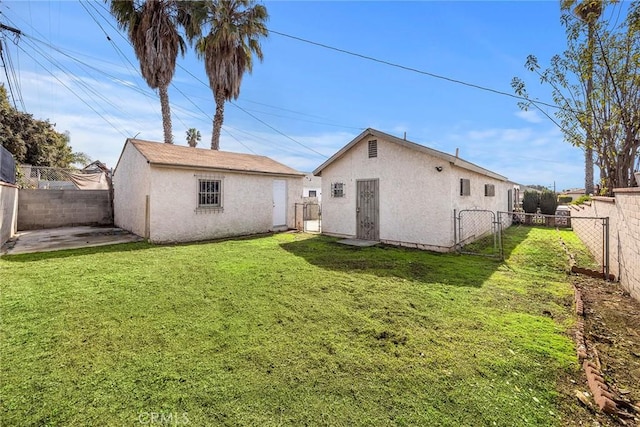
247, 205
416, 201
8, 211
131, 185
312, 183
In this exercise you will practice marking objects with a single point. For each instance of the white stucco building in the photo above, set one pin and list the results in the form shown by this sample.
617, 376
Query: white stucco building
169, 193
379, 187
312, 187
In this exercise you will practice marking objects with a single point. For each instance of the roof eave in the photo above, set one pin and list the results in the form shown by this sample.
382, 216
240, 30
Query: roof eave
219, 169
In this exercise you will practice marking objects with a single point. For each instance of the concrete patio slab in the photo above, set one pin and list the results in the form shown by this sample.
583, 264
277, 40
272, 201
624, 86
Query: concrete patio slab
358, 242
55, 239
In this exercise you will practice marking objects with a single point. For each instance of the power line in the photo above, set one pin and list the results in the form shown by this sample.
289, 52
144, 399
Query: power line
406, 68
276, 130
256, 118
72, 91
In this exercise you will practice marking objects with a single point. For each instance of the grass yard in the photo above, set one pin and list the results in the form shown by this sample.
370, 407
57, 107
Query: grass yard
289, 329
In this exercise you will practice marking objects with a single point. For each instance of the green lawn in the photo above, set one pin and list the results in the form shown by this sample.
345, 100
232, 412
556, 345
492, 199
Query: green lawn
289, 329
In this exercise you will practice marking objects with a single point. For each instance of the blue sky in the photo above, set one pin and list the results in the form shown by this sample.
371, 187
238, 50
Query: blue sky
311, 101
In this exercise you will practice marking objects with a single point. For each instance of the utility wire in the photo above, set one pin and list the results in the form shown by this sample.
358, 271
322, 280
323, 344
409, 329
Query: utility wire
6, 73
72, 91
404, 67
277, 131
256, 118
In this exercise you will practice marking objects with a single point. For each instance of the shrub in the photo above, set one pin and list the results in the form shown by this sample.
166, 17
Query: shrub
580, 200
563, 200
548, 202
530, 201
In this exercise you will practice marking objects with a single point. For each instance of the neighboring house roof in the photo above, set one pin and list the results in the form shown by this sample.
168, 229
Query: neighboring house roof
573, 191
161, 154
457, 161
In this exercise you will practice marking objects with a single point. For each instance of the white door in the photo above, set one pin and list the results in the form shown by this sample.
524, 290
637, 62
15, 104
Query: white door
279, 202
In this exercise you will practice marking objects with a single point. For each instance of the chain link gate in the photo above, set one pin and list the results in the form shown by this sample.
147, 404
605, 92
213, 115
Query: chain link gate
585, 239
308, 217
477, 232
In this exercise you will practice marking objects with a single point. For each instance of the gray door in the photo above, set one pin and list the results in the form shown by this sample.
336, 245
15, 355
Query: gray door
367, 210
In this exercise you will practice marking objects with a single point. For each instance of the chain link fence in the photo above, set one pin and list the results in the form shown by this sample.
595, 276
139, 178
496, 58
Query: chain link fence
309, 217
586, 239
477, 232
44, 177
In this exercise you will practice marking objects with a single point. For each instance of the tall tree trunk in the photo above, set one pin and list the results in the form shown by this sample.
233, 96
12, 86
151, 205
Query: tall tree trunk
217, 120
166, 114
588, 150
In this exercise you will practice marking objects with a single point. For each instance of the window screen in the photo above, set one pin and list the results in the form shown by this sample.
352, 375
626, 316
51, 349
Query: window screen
489, 190
465, 187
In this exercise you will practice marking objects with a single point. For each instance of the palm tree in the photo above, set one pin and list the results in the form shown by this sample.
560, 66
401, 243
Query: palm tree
193, 137
588, 11
235, 29
152, 28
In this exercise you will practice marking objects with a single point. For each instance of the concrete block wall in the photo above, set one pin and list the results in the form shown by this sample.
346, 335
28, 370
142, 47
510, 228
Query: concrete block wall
39, 209
8, 211
628, 238
623, 211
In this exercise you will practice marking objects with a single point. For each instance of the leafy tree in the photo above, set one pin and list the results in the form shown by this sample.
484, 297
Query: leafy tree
152, 27
530, 201
548, 202
235, 28
596, 86
81, 158
193, 137
32, 141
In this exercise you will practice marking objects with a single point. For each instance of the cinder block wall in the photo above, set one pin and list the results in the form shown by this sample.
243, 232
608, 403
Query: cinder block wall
623, 211
39, 209
628, 236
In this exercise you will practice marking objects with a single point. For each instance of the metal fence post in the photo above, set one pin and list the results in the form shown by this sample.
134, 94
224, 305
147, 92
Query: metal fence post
605, 255
455, 231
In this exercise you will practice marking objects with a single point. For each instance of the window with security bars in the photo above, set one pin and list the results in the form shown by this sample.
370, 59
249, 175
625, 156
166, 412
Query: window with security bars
337, 189
209, 193
373, 148
489, 190
465, 187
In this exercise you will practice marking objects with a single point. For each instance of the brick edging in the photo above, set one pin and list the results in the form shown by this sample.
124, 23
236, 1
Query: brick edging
598, 386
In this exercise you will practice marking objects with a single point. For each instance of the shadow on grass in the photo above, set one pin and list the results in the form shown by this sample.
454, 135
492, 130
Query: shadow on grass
512, 237
390, 261
118, 247
67, 253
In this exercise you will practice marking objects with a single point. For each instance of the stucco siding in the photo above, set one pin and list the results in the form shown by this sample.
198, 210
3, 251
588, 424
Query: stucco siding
8, 211
416, 199
247, 205
131, 181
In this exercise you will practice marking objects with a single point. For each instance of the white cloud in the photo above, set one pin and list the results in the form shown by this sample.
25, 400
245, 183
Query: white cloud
531, 116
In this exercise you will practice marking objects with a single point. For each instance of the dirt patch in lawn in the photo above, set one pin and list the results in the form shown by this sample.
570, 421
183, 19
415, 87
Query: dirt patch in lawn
612, 334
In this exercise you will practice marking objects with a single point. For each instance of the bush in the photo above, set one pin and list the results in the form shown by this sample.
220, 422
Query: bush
530, 201
580, 200
548, 202
563, 200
